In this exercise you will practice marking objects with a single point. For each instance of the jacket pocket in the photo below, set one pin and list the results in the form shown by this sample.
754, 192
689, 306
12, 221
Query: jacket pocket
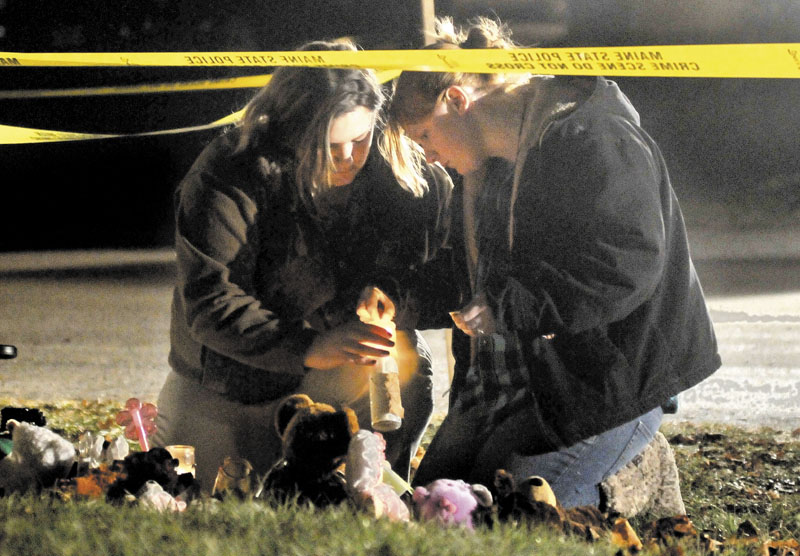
575, 381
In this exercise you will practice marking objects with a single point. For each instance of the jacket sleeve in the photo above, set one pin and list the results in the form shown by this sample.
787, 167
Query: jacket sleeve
430, 288
216, 247
589, 241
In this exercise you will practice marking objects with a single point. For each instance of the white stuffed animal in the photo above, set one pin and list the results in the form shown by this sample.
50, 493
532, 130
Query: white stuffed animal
365, 471
38, 458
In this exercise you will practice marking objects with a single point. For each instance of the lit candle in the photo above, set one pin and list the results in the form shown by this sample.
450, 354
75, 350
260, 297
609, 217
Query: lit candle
185, 456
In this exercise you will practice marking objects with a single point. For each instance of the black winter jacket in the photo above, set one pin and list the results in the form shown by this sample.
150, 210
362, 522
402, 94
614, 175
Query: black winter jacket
599, 260
260, 274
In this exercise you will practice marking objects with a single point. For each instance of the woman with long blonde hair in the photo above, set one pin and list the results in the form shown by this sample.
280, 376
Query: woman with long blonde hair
284, 225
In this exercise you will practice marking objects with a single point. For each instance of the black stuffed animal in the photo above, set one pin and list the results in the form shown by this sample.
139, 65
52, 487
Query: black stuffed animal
157, 465
315, 438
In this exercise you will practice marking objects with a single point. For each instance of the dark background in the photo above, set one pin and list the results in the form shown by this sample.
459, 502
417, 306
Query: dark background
730, 143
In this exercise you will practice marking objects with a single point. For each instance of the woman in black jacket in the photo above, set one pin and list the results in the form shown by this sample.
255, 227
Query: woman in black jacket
283, 225
583, 314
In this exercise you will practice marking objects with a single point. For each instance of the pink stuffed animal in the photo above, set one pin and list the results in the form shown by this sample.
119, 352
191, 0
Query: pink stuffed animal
450, 501
364, 476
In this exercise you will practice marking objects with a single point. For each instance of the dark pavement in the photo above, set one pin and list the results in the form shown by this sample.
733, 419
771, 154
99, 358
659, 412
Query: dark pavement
94, 325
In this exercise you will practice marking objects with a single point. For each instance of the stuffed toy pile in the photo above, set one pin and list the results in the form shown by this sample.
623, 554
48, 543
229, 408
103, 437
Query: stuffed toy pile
99, 468
327, 460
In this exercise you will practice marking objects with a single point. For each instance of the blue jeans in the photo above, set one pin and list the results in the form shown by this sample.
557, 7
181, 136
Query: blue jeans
575, 472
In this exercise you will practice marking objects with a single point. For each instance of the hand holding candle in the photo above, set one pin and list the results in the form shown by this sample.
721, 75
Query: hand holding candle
386, 407
138, 420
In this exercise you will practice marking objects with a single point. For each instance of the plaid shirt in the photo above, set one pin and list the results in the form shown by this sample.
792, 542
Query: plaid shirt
498, 379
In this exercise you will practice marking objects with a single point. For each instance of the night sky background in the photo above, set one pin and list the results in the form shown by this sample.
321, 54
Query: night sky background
727, 141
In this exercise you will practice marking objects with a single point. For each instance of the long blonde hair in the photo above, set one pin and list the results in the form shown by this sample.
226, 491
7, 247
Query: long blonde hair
416, 93
295, 110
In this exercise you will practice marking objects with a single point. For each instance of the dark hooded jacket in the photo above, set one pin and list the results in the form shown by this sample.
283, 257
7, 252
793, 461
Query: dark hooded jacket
260, 273
598, 282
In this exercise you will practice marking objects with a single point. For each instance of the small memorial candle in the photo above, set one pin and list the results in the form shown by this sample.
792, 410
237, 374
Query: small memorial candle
185, 456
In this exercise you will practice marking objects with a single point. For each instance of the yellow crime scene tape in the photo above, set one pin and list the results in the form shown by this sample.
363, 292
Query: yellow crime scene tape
768, 60
760, 61
14, 135
245, 82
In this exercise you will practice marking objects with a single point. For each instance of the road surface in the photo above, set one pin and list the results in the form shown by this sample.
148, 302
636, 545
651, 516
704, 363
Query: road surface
94, 325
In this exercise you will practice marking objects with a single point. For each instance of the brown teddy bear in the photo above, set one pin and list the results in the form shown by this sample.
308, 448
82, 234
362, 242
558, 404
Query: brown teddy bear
532, 501
315, 438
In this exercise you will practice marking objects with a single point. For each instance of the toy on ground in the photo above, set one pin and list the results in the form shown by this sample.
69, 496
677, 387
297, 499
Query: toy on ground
234, 476
364, 473
94, 450
21, 415
38, 458
532, 501
152, 495
451, 502
139, 421
315, 438
155, 465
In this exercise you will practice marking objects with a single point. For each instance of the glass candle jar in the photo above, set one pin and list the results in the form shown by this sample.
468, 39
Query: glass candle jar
185, 456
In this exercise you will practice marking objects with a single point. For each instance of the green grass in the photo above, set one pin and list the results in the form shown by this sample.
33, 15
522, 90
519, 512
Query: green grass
41, 526
728, 476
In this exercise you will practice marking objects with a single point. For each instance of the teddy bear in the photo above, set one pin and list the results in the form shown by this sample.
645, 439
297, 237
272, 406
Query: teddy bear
451, 502
314, 442
364, 470
38, 458
532, 501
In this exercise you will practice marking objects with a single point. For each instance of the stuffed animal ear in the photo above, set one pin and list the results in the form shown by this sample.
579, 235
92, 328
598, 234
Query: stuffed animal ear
420, 494
11, 424
352, 420
481, 494
537, 489
287, 409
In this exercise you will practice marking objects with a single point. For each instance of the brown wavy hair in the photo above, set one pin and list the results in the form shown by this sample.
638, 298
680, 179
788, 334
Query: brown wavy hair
295, 111
416, 92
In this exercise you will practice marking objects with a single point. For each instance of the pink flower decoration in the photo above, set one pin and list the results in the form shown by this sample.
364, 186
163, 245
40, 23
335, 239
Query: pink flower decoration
138, 421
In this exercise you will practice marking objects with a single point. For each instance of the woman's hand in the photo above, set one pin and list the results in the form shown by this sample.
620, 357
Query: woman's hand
476, 318
353, 342
374, 305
